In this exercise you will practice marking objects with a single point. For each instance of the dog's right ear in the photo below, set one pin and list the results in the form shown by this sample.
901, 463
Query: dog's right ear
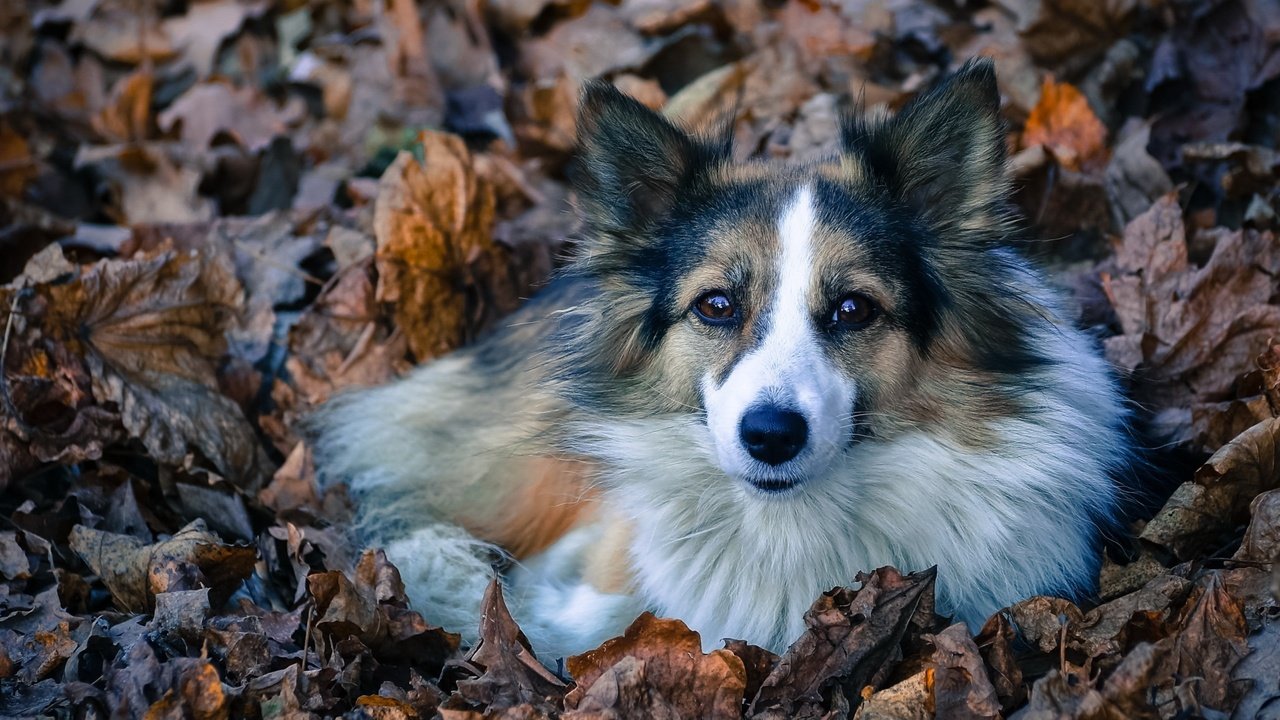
631, 162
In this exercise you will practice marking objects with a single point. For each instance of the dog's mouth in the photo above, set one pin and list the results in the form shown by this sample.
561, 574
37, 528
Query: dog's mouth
773, 486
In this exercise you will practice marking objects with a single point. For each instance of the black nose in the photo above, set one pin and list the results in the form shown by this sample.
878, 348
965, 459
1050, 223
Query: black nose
772, 434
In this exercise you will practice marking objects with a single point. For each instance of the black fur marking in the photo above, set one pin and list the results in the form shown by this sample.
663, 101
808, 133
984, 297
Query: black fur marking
896, 248
944, 154
631, 162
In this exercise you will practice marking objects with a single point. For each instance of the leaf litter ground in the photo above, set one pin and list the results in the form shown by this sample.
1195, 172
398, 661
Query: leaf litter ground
214, 215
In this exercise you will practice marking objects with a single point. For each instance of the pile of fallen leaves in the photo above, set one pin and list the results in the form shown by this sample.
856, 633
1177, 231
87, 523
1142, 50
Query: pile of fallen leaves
216, 213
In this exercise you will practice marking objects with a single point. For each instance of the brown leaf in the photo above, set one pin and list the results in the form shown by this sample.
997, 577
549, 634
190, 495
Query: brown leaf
120, 33
599, 42
1069, 34
849, 636
757, 661
1039, 620
1200, 513
961, 688
1262, 668
181, 612
151, 182
135, 572
1107, 628
372, 608
1067, 696
1115, 579
209, 109
653, 17
1262, 539
201, 30
150, 332
768, 86
908, 700
1210, 644
1269, 363
1221, 54
1189, 672
1190, 332
831, 30
127, 115
36, 641
17, 164
294, 484
996, 643
515, 16
657, 669
1134, 179
437, 263
377, 707
1063, 122
13, 559
511, 673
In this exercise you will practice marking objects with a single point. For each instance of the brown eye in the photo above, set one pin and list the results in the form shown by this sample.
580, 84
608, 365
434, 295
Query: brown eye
714, 307
853, 312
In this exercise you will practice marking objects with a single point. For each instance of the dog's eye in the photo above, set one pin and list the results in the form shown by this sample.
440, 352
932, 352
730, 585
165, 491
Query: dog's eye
853, 312
714, 307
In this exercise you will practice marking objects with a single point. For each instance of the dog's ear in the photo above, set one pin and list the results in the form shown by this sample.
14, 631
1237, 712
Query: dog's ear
631, 162
943, 154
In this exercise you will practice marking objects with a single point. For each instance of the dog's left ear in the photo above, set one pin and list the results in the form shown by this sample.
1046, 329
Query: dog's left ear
943, 154
631, 162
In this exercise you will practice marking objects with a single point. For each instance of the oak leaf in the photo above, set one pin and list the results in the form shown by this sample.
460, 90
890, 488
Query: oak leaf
657, 669
437, 262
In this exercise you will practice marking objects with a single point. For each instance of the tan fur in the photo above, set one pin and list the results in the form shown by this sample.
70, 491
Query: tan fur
549, 497
608, 564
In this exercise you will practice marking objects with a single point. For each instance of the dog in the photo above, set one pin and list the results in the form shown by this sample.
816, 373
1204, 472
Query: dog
754, 381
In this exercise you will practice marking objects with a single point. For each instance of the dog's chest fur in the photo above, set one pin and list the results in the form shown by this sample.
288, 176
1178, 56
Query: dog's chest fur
1007, 521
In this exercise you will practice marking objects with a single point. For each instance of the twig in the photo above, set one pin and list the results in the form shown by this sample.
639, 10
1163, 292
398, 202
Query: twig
306, 638
1062, 644
9, 407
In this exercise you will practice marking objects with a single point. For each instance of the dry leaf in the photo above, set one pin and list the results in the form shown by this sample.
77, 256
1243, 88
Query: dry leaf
849, 635
1262, 539
1134, 179
1190, 332
1210, 643
127, 116
17, 164
437, 263
996, 643
1262, 668
120, 33
202, 113
1201, 512
199, 32
511, 674
961, 688
144, 337
599, 42
153, 183
372, 608
1067, 34
657, 669
1063, 122
135, 572
908, 700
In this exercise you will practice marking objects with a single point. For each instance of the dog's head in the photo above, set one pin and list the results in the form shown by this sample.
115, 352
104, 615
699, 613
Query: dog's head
801, 308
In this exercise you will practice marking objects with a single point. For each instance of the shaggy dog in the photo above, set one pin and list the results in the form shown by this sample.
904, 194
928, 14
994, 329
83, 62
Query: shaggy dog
754, 381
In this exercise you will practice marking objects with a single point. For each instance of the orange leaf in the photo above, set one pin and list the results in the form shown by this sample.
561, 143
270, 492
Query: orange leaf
1063, 122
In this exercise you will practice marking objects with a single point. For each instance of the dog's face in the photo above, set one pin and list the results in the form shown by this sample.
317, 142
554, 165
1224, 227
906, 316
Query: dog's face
799, 308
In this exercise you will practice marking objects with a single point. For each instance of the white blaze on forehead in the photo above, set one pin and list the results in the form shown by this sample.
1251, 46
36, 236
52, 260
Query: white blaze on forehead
790, 317
789, 367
